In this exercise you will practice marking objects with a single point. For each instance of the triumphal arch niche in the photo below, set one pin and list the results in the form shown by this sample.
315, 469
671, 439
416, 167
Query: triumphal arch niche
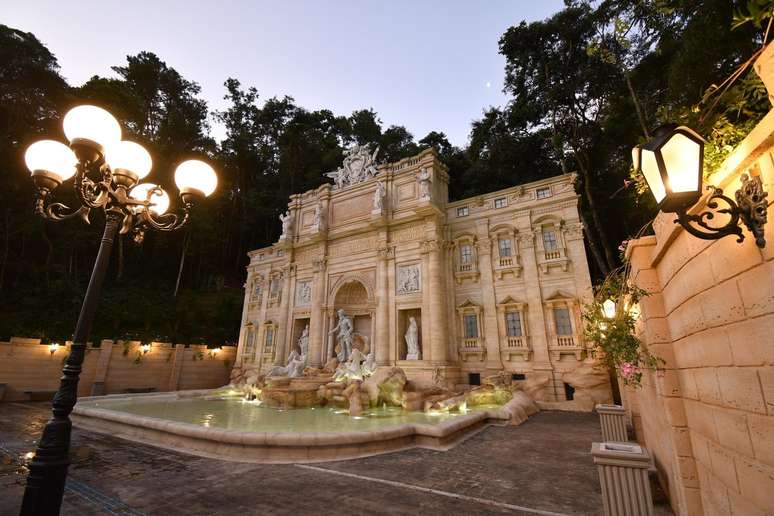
381, 261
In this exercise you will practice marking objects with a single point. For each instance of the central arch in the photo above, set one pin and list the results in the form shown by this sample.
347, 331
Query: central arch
353, 295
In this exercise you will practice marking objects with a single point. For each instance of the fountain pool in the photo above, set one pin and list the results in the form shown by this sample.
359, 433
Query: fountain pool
212, 424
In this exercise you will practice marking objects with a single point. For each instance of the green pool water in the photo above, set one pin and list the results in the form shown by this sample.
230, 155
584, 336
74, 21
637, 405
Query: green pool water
251, 416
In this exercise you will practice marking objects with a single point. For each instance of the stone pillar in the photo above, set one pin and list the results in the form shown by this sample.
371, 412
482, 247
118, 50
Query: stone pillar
317, 315
331, 338
280, 344
381, 337
177, 367
105, 352
491, 334
439, 340
535, 313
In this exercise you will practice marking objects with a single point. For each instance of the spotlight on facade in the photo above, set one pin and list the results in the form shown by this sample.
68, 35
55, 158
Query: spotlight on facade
53, 347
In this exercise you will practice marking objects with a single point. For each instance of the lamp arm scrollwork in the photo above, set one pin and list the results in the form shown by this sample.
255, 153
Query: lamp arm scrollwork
750, 207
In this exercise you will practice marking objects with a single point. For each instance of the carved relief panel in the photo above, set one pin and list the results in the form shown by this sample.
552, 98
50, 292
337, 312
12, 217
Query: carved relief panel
408, 279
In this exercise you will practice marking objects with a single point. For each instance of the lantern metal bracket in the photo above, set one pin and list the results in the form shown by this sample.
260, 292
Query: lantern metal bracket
750, 207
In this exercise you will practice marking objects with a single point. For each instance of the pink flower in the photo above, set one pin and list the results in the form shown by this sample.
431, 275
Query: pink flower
628, 370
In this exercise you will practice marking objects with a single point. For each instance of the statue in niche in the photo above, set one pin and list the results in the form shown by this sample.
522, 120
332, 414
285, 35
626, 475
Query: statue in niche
412, 340
346, 330
287, 220
303, 341
379, 194
408, 279
424, 183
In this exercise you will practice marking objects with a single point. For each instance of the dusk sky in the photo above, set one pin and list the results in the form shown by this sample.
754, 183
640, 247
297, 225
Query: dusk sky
427, 65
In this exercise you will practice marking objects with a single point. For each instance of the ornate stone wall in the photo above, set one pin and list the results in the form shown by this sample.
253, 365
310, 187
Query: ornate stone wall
515, 256
708, 418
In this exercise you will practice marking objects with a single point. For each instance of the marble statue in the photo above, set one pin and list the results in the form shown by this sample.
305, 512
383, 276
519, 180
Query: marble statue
352, 369
412, 340
408, 279
287, 220
379, 194
369, 366
293, 369
359, 165
346, 330
303, 341
424, 183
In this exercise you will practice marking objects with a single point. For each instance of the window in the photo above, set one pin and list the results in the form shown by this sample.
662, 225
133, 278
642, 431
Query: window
463, 211
249, 342
256, 293
518, 376
542, 193
466, 254
505, 247
513, 324
260, 257
471, 326
269, 337
562, 320
549, 240
500, 202
474, 378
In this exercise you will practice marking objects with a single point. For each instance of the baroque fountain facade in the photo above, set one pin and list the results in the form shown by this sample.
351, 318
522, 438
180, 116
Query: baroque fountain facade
387, 317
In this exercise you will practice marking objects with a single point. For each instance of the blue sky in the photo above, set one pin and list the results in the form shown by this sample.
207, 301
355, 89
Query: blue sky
425, 64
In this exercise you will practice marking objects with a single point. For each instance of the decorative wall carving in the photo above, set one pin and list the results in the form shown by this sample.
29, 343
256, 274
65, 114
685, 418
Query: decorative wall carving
407, 233
359, 165
303, 293
409, 279
345, 210
352, 246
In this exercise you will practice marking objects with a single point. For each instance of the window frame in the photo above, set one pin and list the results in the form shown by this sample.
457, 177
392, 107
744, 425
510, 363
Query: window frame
568, 311
463, 211
500, 202
518, 325
543, 190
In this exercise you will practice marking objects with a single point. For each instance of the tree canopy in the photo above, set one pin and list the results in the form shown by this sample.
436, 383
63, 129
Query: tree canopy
584, 86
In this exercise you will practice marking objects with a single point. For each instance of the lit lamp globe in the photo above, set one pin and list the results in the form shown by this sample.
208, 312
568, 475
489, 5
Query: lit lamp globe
195, 179
672, 163
608, 309
50, 163
90, 130
129, 161
159, 199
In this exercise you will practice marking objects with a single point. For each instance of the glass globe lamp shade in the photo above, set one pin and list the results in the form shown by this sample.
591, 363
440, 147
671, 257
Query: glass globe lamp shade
608, 308
159, 199
129, 161
91, 128
195, 177
672, 164
50, 162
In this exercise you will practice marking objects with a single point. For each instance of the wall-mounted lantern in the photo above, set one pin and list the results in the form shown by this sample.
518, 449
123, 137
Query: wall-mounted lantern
672, 164
145, 349
53, 348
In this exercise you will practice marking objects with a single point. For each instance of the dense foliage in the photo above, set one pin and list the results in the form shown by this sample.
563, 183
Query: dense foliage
585, 86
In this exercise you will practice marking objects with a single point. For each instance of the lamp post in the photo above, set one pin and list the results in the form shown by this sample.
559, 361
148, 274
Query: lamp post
107, 172
673, 162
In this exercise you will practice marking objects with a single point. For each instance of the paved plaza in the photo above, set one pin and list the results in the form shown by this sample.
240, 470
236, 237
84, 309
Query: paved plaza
541, 467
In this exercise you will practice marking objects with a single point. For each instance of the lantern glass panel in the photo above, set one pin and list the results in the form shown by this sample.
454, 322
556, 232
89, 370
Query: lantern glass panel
682, 157
649, 167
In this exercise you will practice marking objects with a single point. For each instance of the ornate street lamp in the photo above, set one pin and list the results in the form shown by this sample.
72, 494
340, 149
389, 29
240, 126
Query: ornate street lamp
673, 162
107, 171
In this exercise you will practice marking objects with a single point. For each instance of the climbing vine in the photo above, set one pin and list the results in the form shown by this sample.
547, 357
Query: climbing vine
614, 334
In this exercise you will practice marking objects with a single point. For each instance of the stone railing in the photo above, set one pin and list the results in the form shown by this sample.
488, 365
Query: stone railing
516, 347
565, 344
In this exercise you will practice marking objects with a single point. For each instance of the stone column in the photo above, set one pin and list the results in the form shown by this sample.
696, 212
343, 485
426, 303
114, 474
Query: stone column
439, 340
491, 333
177, 367
317, 315
331, 338
103, 362
381, 337
280, 344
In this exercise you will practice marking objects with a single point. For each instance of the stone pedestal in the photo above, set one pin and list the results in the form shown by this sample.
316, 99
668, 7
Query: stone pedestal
623, 474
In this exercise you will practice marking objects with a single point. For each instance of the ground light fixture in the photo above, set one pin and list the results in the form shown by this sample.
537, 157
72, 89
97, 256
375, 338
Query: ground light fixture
53, 348
107, 172
673, 163
145, 349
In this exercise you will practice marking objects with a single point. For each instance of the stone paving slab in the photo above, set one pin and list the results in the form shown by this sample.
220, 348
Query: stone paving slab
542, 466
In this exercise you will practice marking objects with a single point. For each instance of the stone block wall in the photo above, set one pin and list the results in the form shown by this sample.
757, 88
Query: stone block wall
26, 365
708, 417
